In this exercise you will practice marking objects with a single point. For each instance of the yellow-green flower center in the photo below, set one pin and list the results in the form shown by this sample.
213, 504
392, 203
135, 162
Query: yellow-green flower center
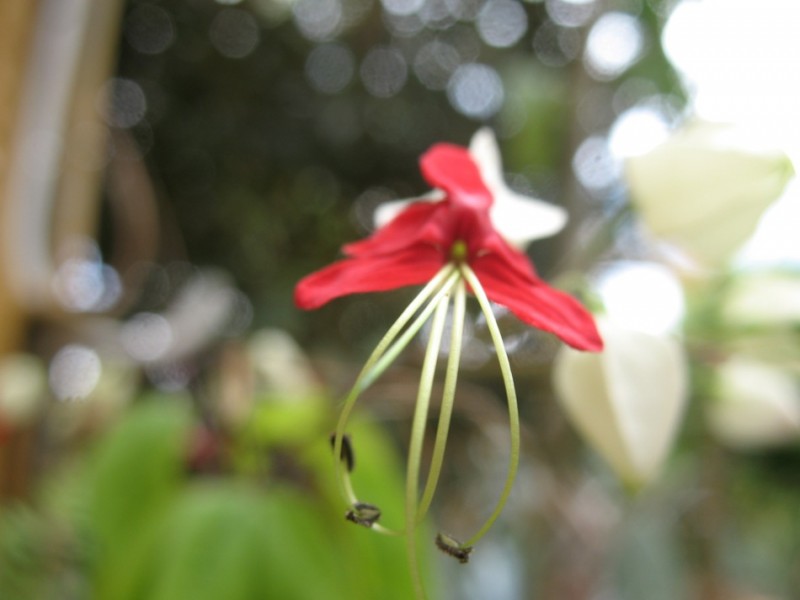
458, 251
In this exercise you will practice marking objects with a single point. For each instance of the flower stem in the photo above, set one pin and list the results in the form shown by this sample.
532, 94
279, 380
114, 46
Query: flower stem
398, 346
417, 438
511, 395
448, 397
437, 287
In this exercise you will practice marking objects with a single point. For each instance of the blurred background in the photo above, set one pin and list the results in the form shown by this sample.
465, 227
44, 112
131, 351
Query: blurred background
170, 168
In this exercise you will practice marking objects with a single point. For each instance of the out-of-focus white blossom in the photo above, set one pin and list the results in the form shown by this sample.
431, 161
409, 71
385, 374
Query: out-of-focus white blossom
105, 401
519, 219
706, 187
23, 388
201, 312
281, 368
765, 299
626, 401
757, 405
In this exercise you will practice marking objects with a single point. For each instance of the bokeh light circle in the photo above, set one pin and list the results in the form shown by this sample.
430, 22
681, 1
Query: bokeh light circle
318, 20
594, 165
614, 43
234, 33
383, 71
74, 372
502, 23
330, 67
434, 63
476, 90
644, 296
124, 101
148, 29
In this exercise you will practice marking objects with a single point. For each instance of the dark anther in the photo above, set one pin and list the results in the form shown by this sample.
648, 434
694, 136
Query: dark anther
363, 514
347, 455
453, 547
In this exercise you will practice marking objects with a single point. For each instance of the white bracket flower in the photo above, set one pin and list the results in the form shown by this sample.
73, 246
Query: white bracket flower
626, 401
757, 405
706, 187
520, 219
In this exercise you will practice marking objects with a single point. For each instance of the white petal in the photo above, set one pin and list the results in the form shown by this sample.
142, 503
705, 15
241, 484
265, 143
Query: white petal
705, 188
628, 400
647, 380
389, 210
519, 219
580, 381
486, 154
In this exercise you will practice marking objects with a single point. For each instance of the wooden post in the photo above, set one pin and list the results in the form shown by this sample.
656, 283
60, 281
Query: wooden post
17, 19
55, 57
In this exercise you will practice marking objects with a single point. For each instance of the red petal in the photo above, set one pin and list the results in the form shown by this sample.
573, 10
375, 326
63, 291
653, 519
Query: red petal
413, 266
417, 222
536, 303
452, 169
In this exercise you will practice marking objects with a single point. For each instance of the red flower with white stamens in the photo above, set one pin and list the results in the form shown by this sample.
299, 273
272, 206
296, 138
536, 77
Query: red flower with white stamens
427, 236
450, 241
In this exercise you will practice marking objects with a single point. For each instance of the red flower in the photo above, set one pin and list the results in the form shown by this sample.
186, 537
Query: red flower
426, 236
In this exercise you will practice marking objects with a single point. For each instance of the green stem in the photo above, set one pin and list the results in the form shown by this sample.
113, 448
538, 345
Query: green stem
391, 354
436, 287
448, 397
443, 279
417, 438
511, 395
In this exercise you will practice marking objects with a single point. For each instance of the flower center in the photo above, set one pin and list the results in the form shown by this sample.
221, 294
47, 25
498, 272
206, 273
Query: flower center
458, 251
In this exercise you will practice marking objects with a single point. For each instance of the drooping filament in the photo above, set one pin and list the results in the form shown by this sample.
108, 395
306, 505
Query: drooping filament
447, 289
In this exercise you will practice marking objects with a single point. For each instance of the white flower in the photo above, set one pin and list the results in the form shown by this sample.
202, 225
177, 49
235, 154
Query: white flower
705, 188
23, 388
757, 405
766, 299
280, 366
626, 401
759, 314
520, 219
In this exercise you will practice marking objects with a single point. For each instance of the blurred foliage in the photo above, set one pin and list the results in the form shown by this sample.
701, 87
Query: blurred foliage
134, 521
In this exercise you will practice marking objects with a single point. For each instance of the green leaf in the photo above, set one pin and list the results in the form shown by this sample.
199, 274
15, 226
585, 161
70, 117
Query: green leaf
374, 564
138, 469
231, 542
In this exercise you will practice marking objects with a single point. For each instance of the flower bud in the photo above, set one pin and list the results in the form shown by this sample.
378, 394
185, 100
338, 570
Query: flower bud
705, 189
626, 401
